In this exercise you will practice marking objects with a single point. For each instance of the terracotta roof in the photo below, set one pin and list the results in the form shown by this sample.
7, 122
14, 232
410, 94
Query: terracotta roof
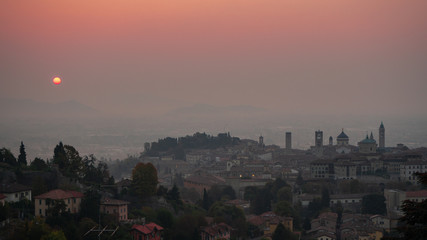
109, 201
216, 229
13, 188
147, 228
60, 194
421, 193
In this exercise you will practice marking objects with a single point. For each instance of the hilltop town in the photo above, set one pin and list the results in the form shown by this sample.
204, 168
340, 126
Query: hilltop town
216, 187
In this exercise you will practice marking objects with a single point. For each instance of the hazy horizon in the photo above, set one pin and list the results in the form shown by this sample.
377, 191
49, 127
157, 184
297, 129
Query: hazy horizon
131, 68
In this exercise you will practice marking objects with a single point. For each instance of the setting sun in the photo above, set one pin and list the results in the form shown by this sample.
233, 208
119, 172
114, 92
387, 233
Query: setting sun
57, 80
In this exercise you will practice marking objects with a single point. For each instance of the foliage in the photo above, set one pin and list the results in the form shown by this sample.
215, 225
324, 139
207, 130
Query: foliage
374, 204
6, 156
188, 227
284, 194
415, 215
250, 193
220, 193
325, 200
22, 158
90, 204
54, 235
144, 180
164, 218
56, 206
177, 146
38, 164
231, 215
284, 208
4, 211
282, 233
205, 202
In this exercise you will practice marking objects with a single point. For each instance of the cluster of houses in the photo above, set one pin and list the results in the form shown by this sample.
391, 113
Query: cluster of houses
350, 227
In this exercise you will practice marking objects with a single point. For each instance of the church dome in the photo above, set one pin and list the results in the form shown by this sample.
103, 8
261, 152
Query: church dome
342, 136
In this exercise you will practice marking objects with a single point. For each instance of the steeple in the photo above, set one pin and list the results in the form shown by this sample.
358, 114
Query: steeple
372, 136
381, 136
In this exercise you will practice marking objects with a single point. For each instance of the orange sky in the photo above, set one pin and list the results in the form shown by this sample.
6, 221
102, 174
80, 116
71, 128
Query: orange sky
269, 53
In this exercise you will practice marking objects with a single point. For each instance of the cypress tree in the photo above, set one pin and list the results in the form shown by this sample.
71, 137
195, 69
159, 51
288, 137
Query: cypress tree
22, 158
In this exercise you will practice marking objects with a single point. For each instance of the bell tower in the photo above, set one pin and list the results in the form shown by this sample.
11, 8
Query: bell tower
318, 141
382, 136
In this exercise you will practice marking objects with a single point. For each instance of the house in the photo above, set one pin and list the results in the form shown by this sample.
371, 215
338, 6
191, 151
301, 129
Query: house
15, 192
116, 207
216, 231
408, 169
72, 200
149, 231
268, 222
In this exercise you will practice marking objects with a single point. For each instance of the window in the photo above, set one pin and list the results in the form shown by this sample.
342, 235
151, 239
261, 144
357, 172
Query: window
74, 200
16, 195
68, 201
40, 211
26, 193
40, 202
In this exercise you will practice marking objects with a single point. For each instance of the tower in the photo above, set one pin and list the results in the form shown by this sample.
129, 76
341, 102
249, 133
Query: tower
318, 142
331, 141
288, 140
382, 136
261, 141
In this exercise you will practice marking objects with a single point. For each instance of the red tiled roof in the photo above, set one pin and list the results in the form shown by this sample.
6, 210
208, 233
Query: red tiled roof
216, 229
147, 228
421, 193
60, 194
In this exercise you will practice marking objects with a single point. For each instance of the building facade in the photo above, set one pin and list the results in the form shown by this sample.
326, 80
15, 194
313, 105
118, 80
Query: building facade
15, 192
43, 202
149, 231
116, 207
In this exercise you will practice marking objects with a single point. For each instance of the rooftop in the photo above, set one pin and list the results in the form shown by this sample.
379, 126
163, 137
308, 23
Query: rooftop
60, 194
147, 228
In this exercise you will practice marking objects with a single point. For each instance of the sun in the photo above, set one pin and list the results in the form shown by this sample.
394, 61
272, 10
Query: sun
56, 80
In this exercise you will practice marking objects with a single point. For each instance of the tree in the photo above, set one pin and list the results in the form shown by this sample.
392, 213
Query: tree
284, 194
6, 156
38, 164
374, 204
173, 194
59, 156
22, 158
325, 201
164, 217
90, 204
282, 233
415, 215
284, 208
206, 203
144, 180
55, 207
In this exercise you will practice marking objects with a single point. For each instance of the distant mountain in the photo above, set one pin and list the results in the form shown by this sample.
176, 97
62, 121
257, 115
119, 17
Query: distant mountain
30, 108
206, 109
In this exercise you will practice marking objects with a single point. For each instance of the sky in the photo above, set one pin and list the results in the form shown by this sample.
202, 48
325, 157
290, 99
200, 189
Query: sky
295, 56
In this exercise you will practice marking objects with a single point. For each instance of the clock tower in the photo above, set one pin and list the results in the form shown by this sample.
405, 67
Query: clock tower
318, 142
